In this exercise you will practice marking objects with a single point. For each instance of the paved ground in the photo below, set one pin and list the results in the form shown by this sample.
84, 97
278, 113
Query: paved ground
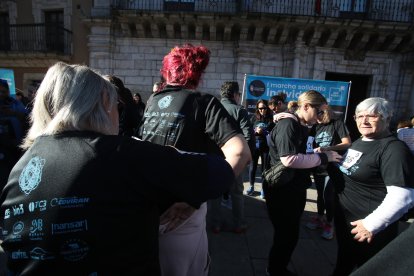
246, 254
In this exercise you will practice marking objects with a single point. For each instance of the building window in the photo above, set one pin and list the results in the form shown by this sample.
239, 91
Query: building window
54, 30
4, 32
179, 5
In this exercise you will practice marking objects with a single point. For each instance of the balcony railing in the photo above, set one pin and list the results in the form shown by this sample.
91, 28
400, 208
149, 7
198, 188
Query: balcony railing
36, 38
377, 10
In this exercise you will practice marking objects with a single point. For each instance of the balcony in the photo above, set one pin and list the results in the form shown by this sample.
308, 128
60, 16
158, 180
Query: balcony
375, 10
36, 38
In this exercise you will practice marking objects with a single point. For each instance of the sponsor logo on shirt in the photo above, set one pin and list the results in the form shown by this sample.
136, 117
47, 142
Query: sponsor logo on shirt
19, 255
31, 175
74, 250
18, 228
69, 227
18, 210
36, 230
16, 232
40, 254
40, 205
69, 202
7, 213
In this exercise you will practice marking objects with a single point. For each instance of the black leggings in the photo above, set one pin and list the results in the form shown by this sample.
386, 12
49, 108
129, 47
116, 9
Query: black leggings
285, 206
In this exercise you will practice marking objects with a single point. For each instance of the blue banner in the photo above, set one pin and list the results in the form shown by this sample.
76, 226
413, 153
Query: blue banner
8, 75
263, 87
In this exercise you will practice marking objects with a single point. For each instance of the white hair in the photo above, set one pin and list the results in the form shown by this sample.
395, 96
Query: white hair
376, 105
71, 97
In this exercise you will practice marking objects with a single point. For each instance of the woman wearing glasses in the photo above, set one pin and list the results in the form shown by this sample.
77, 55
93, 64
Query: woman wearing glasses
262, 125
379, 180
285, 204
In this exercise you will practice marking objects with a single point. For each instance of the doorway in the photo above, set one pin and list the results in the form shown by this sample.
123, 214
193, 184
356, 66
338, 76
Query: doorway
359, 92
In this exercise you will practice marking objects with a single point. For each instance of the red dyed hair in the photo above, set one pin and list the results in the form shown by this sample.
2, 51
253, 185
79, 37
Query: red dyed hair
184, 65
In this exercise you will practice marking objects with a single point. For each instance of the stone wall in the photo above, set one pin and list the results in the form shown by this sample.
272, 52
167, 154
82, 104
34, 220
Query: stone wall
137, 62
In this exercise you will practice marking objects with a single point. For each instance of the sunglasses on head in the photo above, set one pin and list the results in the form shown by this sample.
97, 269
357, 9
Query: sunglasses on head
262, 108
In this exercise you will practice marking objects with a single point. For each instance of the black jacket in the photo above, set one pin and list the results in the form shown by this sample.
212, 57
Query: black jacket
239, 113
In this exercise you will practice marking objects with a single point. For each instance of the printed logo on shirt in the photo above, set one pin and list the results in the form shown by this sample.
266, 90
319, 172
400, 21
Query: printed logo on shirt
40, 205
69, 202
36, 230
18, 228
40, 254
18, 210
165, 102
31, 175
4, 232
16, 232
348, 165
69, 227
7, 213
323, 139
19, 255
309, 144
74, 250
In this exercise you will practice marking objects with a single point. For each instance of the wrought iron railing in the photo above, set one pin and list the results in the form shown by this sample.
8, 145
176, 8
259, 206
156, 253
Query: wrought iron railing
378, 10
36, 38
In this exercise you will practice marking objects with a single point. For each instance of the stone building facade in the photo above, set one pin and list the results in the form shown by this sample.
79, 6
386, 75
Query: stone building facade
369, 46
368, 42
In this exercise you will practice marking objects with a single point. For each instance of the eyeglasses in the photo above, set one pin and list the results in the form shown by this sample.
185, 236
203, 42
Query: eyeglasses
370, 117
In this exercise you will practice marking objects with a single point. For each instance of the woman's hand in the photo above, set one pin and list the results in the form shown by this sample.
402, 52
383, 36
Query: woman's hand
333, 156
361, 234
176, 215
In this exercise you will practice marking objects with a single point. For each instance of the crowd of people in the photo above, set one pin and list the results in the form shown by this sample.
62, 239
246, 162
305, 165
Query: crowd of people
94, 160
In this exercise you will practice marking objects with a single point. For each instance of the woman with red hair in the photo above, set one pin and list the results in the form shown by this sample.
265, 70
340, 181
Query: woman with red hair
179, 116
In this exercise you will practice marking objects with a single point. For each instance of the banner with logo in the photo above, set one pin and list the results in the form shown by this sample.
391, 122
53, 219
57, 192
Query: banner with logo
8, 75
263, 87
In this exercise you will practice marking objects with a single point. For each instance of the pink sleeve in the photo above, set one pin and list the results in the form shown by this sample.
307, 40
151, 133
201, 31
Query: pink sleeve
301, 161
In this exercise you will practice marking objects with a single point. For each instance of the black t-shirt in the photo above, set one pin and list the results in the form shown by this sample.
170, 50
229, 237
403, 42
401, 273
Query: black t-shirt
188, 120
370, 166
79, 203
326, 135
330, 134
289, 137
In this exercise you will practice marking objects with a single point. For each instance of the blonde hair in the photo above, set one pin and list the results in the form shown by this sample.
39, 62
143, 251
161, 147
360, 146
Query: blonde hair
292, 106
70, 97
311, 97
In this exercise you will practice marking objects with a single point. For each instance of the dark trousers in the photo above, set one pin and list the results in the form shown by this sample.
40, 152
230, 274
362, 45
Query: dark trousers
351, 253
285, 206
255, 160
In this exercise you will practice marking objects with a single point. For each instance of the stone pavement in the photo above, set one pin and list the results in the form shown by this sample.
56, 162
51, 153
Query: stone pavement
246, 254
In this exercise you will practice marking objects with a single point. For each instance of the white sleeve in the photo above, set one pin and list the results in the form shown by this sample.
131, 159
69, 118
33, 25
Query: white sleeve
395, 204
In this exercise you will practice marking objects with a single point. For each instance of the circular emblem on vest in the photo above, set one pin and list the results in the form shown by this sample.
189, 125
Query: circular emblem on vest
31, 175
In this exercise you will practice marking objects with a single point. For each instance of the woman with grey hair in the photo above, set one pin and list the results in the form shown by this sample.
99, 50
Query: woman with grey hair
73, 203
378, 187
